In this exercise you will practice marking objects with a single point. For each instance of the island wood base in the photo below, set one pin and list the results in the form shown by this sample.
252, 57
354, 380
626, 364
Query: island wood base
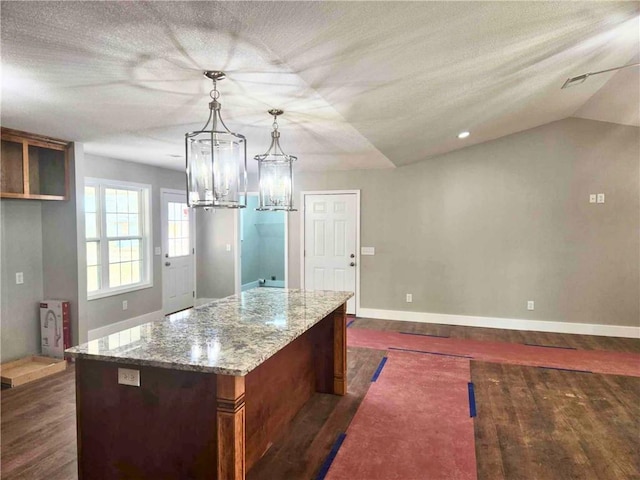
184, 424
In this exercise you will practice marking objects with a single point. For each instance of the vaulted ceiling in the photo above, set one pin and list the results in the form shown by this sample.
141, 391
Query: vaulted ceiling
363, 84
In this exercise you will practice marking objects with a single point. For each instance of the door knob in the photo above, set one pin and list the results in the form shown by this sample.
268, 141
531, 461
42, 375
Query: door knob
167, 264
352, 255
352, 264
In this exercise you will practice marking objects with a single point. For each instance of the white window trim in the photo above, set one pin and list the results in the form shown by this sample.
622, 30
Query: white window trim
147, 243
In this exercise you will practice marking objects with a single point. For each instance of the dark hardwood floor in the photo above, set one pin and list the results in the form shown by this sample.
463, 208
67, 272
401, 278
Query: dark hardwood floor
532, 423
580, 342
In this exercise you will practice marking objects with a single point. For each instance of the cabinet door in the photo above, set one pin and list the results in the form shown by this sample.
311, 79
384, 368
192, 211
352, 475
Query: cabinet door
12, 168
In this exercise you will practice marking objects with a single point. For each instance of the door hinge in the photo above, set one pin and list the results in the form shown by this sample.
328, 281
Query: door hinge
194, 294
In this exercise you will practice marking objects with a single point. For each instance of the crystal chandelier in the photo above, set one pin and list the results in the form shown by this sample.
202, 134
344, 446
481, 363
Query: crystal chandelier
216, 160
275, 173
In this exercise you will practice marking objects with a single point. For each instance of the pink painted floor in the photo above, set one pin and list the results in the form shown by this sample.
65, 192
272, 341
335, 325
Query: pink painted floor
414, 423
596, 361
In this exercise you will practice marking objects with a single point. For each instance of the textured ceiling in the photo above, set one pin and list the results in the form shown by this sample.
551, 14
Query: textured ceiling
363, 84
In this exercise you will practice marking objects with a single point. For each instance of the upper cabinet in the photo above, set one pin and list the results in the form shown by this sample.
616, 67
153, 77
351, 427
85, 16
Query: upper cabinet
33, 166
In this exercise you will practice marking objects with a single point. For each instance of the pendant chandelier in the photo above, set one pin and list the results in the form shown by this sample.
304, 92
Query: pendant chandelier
216, 160
275, 173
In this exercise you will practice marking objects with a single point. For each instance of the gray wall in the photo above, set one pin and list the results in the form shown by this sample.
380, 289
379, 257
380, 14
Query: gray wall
104, 311
21, 251
215, 267
481, 230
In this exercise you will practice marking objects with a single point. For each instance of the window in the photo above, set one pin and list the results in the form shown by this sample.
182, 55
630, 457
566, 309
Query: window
118, 236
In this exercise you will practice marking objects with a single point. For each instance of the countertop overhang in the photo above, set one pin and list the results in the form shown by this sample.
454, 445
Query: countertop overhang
230, 336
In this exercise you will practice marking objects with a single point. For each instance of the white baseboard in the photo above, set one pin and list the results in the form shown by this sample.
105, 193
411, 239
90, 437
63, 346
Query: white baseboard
250, 285
505, 323
124, 325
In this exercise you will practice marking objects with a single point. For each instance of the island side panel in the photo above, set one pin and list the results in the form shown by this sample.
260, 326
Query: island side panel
275, 392
166, 428
231, 427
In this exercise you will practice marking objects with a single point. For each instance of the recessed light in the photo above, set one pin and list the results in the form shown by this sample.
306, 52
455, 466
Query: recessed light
463, 134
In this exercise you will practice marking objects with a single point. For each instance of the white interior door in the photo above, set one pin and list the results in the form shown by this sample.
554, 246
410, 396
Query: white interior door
330, 248
177, 253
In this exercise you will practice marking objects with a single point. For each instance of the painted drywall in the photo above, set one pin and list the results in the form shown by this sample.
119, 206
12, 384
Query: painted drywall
481, 231
104, 311
215, 266
21, 251
270, 229
250, 242
61, 250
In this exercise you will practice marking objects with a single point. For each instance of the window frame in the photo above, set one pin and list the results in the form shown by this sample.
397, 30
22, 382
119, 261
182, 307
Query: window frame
146, 250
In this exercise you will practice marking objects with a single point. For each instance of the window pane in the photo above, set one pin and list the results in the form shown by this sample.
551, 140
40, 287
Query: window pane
123, 225
90, 224
185, 211
112, 225
90, 199
172, 248
135, 271
92, 253
125, 273
134, 222
123, 201
185, 230
135, 249
173, 229
133, 202
93, 278
185, 246
114, 251
110, 200
125, 251
114, 275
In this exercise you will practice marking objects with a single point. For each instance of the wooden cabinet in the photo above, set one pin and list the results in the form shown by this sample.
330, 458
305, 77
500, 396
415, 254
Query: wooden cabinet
33, 167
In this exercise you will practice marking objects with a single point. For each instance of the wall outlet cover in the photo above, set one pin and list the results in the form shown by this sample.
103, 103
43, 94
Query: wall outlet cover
530, 305
592, 198
129, 376
367, 251
409, 298
601, 198
19, 278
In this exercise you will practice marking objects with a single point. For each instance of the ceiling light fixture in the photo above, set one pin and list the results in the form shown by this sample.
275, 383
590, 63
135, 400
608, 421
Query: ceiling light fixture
216, 160
582, 78
464, 134
275, 173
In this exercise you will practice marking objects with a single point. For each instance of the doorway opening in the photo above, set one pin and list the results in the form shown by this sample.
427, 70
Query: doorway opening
262, 247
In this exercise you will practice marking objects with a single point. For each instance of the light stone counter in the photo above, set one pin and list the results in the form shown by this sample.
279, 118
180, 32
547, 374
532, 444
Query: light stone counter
230, 336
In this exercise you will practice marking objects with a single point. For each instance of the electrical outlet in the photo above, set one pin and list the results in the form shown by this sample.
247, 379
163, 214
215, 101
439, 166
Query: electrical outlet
129, 376
409, 298
600, 198
592, 198
125, 305
228, 247
19, 278
530, 305
157, 251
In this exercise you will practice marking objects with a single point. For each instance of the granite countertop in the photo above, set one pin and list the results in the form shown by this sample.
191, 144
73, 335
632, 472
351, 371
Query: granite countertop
230, 336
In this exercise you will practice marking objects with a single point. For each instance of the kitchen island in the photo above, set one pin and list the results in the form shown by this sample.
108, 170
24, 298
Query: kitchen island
218, 384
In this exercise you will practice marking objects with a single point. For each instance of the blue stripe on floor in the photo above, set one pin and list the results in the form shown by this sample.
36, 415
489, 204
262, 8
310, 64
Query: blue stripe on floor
472, 400
566, 369
430, 353
425, 334
349, 323
549, 346
379, 369
332, 454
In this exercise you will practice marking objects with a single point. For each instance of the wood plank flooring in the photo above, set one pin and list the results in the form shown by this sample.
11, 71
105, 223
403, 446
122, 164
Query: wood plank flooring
534, 423
529, 426
582, 342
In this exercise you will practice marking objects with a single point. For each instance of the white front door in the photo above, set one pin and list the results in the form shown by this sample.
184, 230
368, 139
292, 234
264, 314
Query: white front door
330, 244
177, 252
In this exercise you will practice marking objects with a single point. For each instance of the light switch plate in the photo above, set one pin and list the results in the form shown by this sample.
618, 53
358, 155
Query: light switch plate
601, 198
592, 198
367, 251
228, 247
157, 251
129, 376
19, 278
